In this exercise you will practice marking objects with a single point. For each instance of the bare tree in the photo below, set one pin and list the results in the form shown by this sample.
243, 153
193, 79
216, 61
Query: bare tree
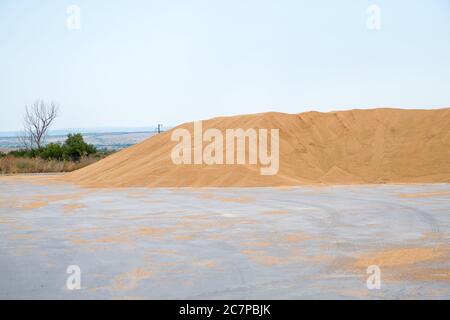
37, 120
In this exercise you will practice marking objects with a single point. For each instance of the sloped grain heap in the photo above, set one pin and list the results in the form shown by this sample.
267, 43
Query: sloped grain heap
356, 146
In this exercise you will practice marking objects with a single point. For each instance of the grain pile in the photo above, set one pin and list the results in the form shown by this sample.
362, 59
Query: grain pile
344, 147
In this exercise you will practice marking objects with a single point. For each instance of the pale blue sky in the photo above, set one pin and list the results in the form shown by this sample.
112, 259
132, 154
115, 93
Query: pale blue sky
138, 63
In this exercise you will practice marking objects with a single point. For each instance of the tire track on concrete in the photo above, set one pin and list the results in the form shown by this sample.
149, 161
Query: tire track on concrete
424, 216
330, 229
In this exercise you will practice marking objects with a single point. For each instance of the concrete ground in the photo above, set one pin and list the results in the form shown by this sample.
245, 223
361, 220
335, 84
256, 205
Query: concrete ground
249, 243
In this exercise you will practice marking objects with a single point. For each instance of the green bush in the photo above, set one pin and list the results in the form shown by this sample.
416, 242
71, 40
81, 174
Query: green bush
53, 151
74, 148
24, 153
